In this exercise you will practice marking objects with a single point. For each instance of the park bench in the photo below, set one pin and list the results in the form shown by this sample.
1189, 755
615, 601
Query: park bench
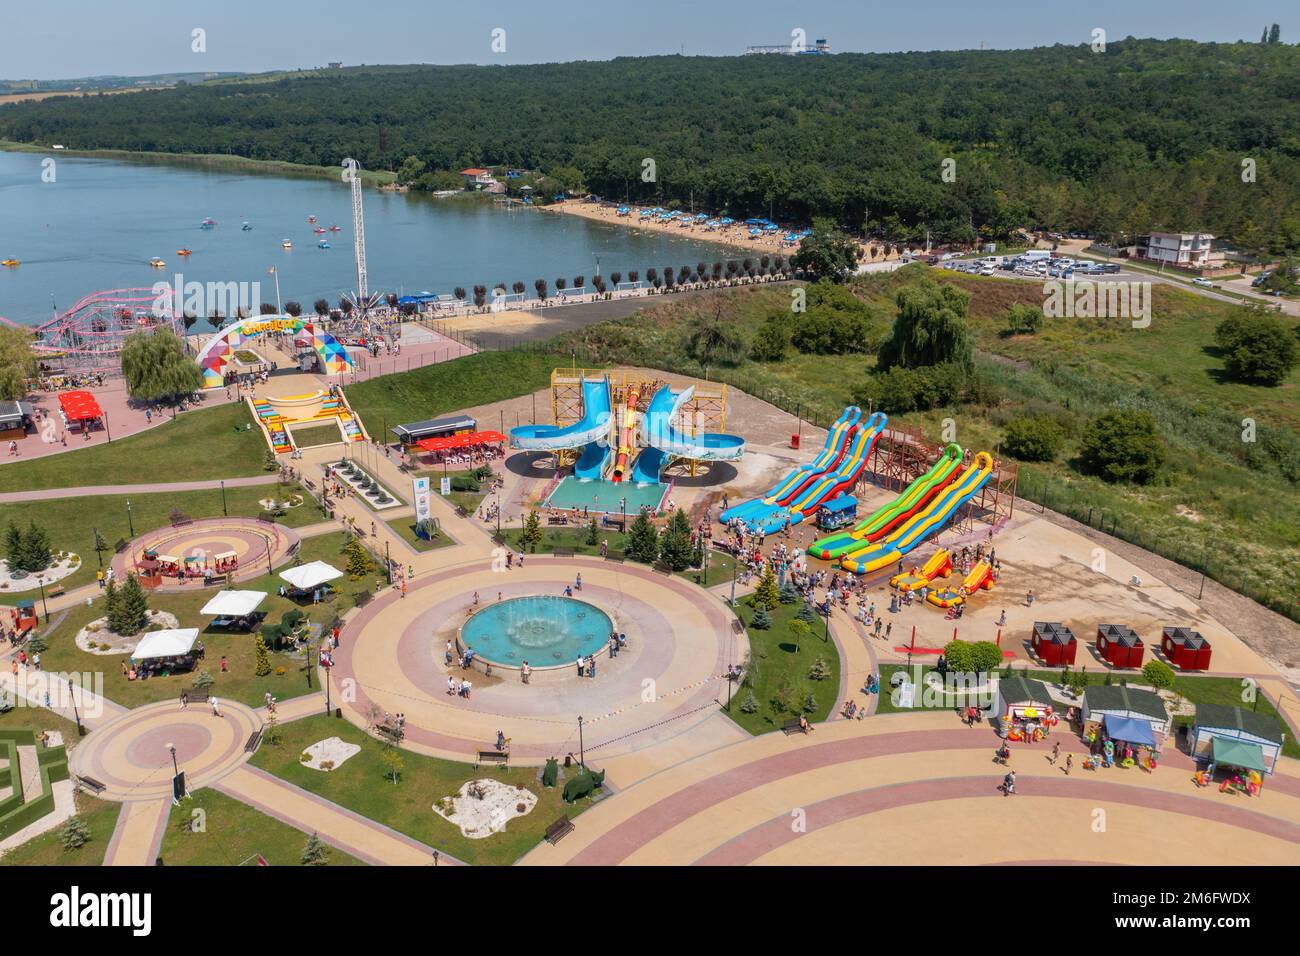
461, 512
791, 726
558, 830
390, 733
91, 784
182, 522
618, 557
556, 519
664, 569
737, 626
564, 552
501, 757
197, 695
254, 739
55, 591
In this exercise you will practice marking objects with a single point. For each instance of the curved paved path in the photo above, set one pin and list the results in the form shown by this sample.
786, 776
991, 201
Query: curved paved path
680, 642
129, 754
149, 488
905, 787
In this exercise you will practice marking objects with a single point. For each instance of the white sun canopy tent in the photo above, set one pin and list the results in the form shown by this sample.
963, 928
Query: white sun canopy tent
170, 643
234, 603
309, 576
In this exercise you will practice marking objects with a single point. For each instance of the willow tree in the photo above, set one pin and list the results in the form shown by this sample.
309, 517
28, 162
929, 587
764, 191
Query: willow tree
929, 329
156, 367
17, 362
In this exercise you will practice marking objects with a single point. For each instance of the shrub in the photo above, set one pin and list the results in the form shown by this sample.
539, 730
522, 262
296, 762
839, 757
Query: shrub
203, 679
1024, 318
900, 390
1257, 348
761, 620
1158, 674
74, 834
772, 340
1123, 446
750, 704
1034, 438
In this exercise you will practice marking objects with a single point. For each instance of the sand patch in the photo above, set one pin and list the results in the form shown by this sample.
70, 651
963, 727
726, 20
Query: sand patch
329, 754
484, 807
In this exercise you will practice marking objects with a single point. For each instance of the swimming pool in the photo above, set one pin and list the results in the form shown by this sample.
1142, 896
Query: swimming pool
546, 631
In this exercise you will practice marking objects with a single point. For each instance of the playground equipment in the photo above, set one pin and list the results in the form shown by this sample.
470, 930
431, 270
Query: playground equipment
609, 428
218, 353
939, 566
789, 486
277, 417
981, 576
927, 521
889, 517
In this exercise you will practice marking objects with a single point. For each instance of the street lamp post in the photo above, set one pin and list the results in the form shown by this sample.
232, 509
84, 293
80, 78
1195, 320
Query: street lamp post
734, 561
130, 524
224, 511
99, 552
176, 769
582, 762
40, 580
76, 715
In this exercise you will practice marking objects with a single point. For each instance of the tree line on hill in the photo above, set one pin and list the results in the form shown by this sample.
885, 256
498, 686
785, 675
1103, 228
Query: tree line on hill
1144, 135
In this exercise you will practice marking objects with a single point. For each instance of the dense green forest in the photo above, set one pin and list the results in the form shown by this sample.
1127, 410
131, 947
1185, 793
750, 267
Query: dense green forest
1148, 134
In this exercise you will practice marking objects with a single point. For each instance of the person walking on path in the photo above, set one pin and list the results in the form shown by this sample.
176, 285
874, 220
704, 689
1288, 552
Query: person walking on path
1069, 762
216, 707
185, 700
1056, 752
1009, 783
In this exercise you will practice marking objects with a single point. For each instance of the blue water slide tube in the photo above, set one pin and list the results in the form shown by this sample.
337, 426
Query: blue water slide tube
593, 461
592, 427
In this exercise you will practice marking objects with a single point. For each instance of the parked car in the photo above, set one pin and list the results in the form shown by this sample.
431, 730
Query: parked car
1260, 279
1204, 283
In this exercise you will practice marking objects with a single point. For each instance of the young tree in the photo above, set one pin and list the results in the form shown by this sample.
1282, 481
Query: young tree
1158, 674
675, 548
128, 613
17, 362
1257, 348
314, 852
801, 630
531, 536
261, 657
767, 594
393, 763
358, 559
1033, 438
643, 540
761, 620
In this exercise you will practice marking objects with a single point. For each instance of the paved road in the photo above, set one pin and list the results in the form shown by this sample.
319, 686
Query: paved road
86, 491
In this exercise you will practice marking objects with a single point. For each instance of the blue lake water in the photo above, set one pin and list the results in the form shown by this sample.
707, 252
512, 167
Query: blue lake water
101, 221
545, 631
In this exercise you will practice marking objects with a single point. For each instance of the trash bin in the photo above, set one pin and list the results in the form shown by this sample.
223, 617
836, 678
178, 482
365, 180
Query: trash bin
794, 441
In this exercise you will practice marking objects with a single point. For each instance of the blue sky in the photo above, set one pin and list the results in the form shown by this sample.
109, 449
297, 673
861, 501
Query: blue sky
75, 38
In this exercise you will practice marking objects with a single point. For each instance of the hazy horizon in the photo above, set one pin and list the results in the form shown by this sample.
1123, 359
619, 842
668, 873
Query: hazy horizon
133, 38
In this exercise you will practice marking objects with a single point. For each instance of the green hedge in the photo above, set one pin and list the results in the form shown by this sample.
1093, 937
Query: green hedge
15, 813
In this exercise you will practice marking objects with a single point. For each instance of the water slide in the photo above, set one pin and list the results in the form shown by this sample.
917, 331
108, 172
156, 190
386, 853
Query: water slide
590, 433
925, 522
626, 436
890, 516
785, 489
593, 461
664, 440
831, 484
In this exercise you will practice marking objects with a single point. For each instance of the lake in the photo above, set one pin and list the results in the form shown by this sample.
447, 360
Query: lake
101, 221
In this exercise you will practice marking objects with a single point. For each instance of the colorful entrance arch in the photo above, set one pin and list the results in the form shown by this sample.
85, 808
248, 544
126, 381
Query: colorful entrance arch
219, 352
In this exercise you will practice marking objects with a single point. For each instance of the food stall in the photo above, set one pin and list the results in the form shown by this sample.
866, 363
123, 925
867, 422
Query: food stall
1185, 649
1233, 737
1118, 719
236, 610
81, 408
1054, 643
161, 653
1026, 710
1119, 645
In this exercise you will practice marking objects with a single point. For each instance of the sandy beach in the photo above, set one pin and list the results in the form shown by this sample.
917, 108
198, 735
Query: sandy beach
736, 235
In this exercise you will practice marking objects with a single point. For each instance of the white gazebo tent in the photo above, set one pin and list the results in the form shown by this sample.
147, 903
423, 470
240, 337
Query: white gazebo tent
234, 603
308, 576
175, 642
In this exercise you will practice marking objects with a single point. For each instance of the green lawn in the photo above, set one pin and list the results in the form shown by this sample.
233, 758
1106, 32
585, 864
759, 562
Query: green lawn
361, 785
569, 537
240, 683
212, 829
71, 522
435, 390
405, 528
199, 444
778, 673
100, 817
317, 435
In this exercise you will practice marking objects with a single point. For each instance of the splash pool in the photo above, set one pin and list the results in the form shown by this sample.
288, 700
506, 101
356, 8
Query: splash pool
543, 630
